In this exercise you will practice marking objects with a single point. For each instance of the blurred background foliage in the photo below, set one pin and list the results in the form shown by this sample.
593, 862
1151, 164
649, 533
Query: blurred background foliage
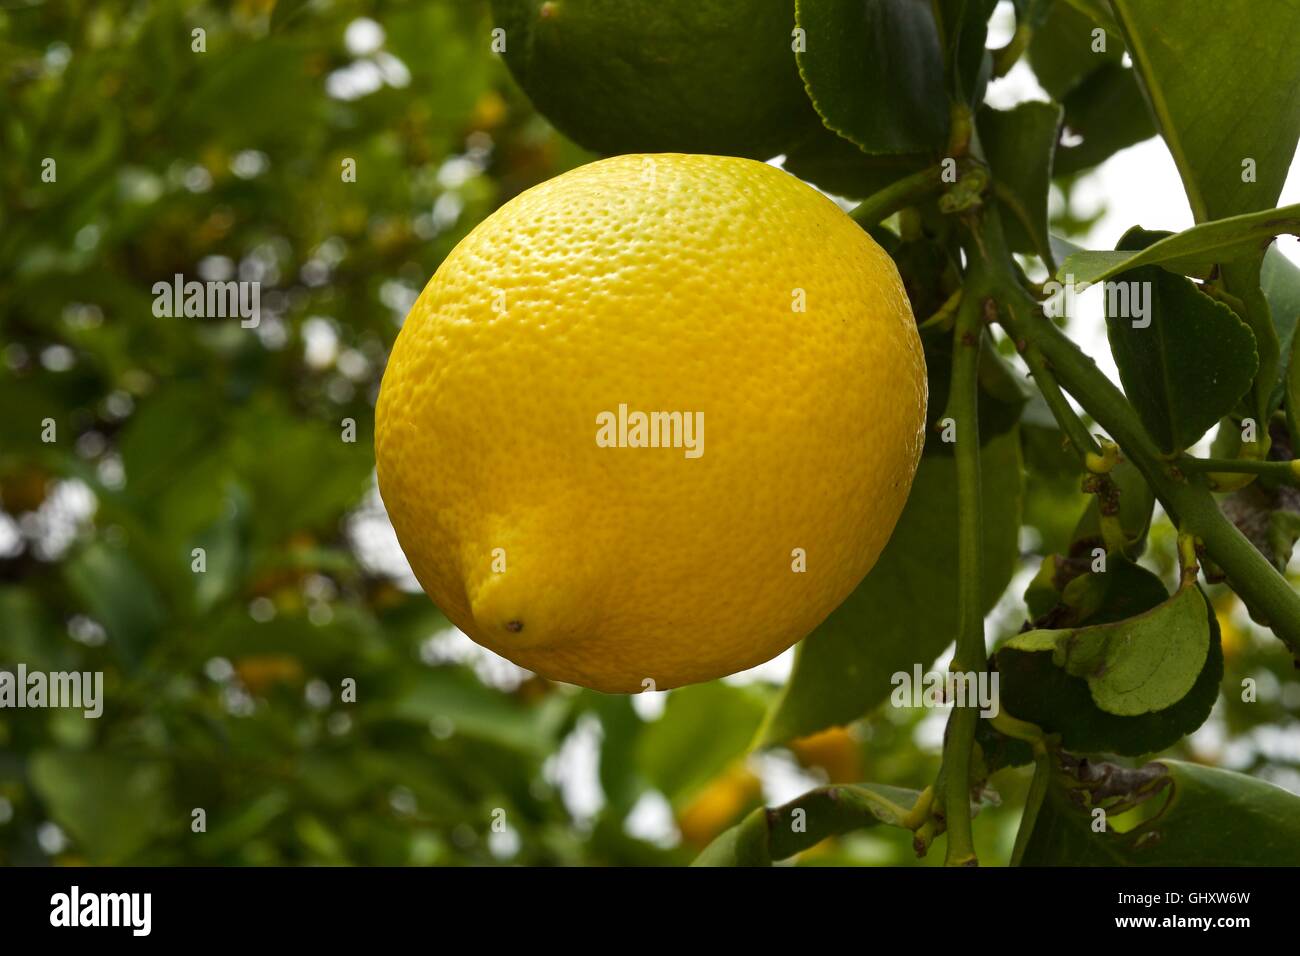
223, 688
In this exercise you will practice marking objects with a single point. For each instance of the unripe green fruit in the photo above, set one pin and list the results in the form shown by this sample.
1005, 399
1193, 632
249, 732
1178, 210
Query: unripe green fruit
688, 76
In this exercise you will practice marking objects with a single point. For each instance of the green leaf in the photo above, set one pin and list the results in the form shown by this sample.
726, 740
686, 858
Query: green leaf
1241, 279
1123, 591
1135, 666
930, 275
455, 696
964, 27
768, 835
1097, 11
312, 478
1100, 96
1061, 51
1003, 393
114, 590
274, 73
833, 163
111, 806
621, 727
677, 758
874, 70
1186, 362
1193, 252
1184, 815
1107, 111
1033, 688
1019, 145
904, 611
30, 631
1218, 74
1280, 285
225, 557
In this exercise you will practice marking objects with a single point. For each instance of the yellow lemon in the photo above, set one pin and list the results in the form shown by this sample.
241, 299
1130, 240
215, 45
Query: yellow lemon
717, 805
835, 750
652, 421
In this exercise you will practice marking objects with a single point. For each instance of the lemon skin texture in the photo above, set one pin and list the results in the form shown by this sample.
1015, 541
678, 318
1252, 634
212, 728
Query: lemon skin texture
687, 283
696, 76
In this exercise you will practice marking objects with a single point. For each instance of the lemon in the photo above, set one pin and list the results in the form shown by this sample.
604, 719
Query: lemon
718, 804
765, 335
697, 76
834, 750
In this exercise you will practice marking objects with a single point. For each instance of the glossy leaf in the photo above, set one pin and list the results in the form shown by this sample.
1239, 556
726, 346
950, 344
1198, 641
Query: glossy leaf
1192, 816
1063, 49
1134, 666
1185, 360
1210, 82
1192, 252
1033, 688
874, 70
964, 28
1084, 71
1019, 145
1107, 111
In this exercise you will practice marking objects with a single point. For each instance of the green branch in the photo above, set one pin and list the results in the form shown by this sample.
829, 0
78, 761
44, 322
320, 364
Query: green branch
1033, 735
971, 654
1266, 592
907, 191
1038, 787
1080, 438
1286, 471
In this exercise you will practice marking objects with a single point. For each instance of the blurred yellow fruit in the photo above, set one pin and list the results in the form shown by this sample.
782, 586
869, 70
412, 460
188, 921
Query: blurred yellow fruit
719, 804
489, 110
771, 339
1232, 637
23, 490
834, 750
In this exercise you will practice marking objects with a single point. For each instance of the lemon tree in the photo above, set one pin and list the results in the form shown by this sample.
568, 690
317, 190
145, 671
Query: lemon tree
492, 241
957, 192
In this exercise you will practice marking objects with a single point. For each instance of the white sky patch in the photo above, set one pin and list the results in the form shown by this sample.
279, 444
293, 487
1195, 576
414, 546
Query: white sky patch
363, 36
776, 671
651, 819
320, 342
574, 770
782, 778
